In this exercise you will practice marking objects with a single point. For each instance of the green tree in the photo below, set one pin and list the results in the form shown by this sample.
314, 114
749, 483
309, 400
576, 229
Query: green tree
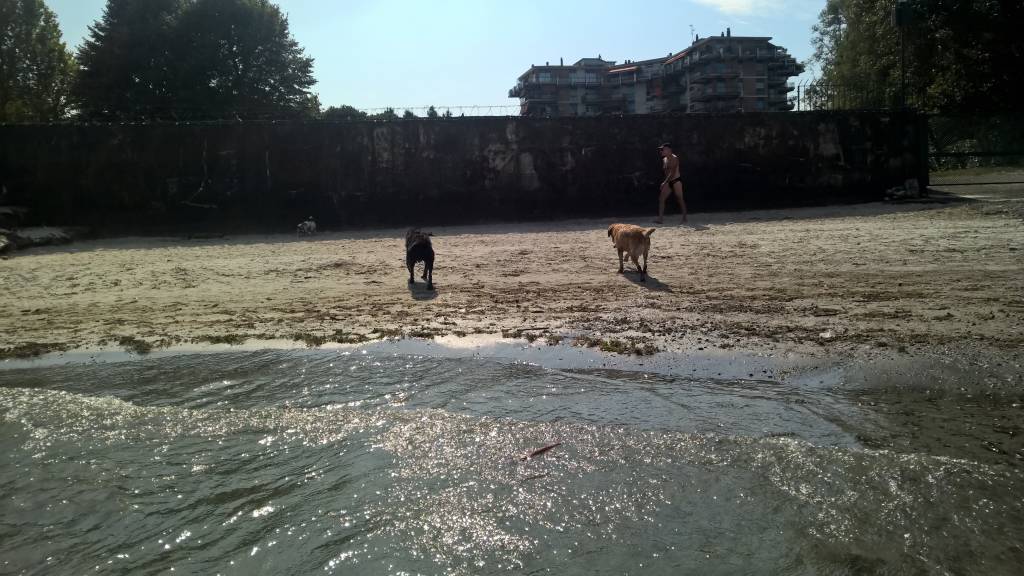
343, 112
125, 62
36, 67
960, 56
408, 114
193, 59
237, 57
387, 114
432, 112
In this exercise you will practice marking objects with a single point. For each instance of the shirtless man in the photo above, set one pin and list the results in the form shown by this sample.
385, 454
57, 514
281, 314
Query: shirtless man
672, 182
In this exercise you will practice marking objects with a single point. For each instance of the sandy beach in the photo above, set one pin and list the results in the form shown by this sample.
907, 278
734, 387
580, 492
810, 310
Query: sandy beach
943, 278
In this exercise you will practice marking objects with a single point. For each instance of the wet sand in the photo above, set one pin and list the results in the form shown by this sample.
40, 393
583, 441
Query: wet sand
942, 280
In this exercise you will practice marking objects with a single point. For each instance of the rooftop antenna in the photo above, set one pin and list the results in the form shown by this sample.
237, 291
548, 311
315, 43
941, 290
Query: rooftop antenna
692, 37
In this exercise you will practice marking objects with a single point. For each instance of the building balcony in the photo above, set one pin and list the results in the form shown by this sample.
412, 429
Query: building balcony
603, 98
781, 63
784, 71
532, 90
537, 96
726, 94
707, 75
781, 83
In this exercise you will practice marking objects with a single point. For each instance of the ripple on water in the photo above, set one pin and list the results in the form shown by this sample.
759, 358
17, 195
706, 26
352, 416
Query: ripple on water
418, 469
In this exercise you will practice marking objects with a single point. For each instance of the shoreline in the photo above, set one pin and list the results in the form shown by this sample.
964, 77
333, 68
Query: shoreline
866, 283
933, 373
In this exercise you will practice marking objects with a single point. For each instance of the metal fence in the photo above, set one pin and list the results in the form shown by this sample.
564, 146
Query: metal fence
461, 110
816, 94
975, 150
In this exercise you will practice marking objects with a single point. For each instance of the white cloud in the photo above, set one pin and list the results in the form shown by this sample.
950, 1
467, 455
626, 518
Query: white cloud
742, 6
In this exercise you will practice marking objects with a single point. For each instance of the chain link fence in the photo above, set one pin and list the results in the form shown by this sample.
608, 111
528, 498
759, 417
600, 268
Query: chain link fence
975, 150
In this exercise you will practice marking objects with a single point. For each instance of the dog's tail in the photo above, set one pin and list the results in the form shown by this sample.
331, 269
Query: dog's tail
648, 232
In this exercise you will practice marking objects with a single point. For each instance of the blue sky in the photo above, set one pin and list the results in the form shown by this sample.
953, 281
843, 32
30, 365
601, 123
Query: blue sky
377, 53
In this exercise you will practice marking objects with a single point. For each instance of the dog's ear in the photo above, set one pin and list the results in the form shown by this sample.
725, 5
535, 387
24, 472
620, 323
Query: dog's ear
649, 232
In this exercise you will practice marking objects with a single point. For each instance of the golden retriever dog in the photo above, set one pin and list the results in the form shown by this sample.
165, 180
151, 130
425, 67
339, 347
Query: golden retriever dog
632, 240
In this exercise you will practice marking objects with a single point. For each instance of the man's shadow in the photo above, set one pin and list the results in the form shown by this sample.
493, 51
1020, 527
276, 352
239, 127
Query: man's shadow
419, 291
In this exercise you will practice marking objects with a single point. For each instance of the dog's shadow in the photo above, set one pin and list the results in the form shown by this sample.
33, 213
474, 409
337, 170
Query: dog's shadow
651, 283
419, 291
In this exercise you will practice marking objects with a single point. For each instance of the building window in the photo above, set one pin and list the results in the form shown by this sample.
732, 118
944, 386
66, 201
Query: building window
544, 77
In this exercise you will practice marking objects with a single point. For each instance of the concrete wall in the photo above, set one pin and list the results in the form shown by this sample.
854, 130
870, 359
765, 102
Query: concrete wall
269, 176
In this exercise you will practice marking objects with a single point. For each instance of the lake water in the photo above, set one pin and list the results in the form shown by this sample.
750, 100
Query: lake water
365, 461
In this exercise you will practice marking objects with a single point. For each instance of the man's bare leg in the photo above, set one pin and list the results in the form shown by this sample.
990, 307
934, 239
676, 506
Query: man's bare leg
678, 189
661, 203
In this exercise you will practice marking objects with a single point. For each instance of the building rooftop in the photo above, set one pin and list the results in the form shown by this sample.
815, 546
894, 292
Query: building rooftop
594, 62
581, 63
631, 65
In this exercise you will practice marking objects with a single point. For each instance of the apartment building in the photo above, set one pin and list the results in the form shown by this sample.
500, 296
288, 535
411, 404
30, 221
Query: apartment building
723, 73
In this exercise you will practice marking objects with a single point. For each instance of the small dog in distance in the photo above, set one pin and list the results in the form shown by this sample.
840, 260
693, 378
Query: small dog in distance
634, 241
419, 249
308, 227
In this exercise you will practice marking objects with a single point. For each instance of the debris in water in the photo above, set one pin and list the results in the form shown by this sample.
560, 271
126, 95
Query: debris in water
539, 451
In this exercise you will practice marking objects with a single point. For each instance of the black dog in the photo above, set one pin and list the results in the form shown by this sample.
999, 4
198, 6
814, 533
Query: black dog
419, 249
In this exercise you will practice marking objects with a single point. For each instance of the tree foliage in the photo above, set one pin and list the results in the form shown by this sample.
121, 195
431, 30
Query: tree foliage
193, 59
432, 112
237, 56
960, 55
343, 112
125, 60
36, 67
387, 114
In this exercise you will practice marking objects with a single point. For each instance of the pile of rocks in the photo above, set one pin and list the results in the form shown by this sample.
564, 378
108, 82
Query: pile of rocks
12, 236
910, 190
10, 218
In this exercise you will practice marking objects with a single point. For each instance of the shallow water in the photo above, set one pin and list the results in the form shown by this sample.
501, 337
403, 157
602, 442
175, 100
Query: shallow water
366, 462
